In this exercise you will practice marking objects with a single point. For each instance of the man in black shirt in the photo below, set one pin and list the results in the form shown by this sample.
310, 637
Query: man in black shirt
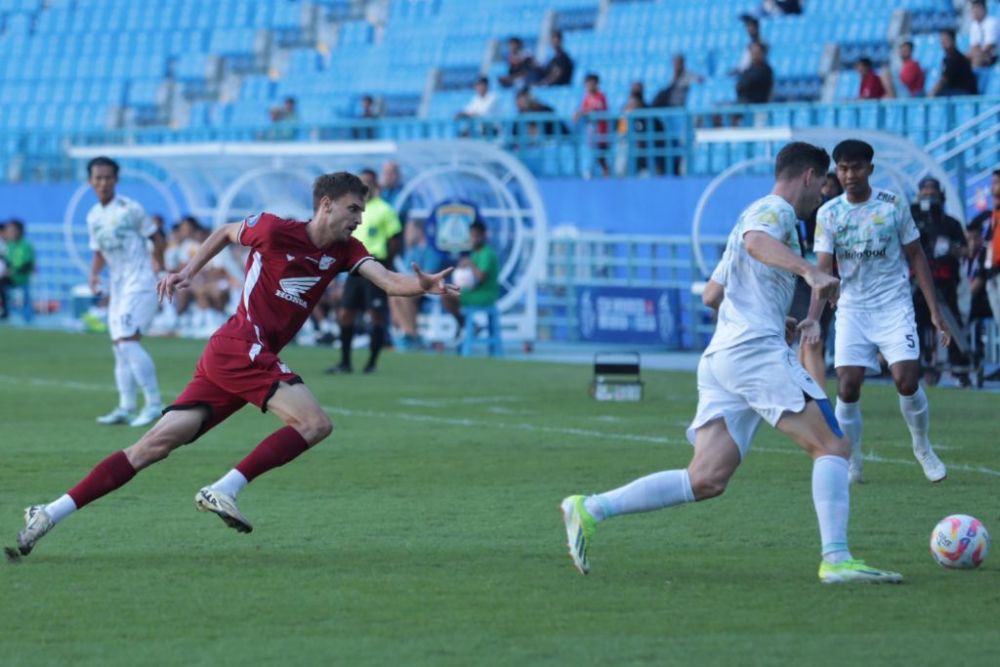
755, 82
956, 75
559, 70
520, 64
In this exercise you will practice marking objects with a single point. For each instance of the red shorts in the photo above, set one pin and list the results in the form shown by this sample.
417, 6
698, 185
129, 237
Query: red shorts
231, 373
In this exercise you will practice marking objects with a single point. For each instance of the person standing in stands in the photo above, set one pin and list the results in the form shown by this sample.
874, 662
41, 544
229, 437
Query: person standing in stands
20, 260
594, 101
379, 231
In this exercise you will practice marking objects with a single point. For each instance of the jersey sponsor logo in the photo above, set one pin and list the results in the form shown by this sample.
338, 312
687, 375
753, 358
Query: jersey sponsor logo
887, 197
292, 289
864, 254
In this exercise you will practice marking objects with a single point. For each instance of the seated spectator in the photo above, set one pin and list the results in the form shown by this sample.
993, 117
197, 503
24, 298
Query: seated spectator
639, 162
594, 101
911, 74
529, 104
520, 64
559, 70
781, 7
20, 261
483, 268
484, 102
755, 83
285, 117
675, 95
369, 112
419, 251
956, 74
368, 107
983, 33
871, 85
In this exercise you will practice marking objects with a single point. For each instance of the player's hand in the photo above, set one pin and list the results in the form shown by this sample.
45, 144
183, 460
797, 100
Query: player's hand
824, 285
790, 329
170, 283
95, 284
433, 283
943, 334
809, 331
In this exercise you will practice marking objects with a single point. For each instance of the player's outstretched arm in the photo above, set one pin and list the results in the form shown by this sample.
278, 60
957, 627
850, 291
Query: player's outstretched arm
766, 249
212, 246
713, 294
925, 281
397, 284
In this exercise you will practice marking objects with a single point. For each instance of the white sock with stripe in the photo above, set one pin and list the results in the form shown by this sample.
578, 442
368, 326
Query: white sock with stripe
832, 500
124, 380
652, 492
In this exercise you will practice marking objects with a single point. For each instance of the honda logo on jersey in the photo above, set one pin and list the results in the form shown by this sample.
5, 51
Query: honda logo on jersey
292, 289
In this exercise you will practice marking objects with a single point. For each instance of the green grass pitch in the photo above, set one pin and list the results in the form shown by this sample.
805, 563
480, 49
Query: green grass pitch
425, 531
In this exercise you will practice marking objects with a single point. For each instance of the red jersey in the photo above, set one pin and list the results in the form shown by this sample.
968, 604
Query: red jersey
286, 276
596, 101
871, 87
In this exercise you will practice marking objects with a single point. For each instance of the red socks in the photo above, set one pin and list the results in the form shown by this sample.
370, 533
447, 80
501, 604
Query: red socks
275, 450
106, 476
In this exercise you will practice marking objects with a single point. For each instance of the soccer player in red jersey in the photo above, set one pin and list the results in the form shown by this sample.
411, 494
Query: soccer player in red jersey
289, 266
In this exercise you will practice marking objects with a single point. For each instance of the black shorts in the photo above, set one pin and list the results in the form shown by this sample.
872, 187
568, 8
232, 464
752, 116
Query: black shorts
800, 307
360, 294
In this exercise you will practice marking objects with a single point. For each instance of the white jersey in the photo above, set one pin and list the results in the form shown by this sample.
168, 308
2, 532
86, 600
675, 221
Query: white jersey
757, 296
867, 240
119, 231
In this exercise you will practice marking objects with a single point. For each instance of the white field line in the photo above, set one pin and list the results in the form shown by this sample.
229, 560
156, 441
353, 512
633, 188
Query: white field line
511, 426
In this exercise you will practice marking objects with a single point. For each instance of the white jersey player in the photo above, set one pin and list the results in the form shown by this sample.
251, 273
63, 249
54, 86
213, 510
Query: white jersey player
748, 374
872, 234
119, 233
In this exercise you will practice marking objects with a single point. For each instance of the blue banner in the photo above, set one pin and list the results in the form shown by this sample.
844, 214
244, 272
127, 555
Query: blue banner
634, 315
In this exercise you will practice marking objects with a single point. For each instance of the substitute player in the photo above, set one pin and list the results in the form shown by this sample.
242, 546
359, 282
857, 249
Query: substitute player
289, 266
874, 238
119, 229
747, 374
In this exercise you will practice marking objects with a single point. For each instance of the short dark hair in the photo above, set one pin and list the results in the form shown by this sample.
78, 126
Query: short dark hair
337, 185
17, 224
948, 31
976, 224
866, 61
483, 80
478, 225
556, 32
101, 161
853, 150
796, 157
369, 172
907, 42
981, 3
996, 172
515, 40
592, 77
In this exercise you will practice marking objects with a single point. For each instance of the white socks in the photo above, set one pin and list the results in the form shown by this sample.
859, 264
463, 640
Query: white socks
60, 508
124, 381
849, 417
833, 505
652, 492
231, 483
143, 369
917, 415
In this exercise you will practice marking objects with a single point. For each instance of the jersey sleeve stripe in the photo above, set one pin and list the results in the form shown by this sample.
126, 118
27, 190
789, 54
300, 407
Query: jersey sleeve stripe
354, 269
253, 274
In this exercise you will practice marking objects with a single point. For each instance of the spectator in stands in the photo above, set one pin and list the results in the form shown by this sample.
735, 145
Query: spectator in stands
983, 34
943, 241
483, 266
484, 102
636, 149
20, 265
752, 26
520, 64
956, 74
390, 182
871, 85
675, 95
911, 74
529, 104
756, 82
284, 118
369, 112
595, 102
3, 273
559, 70
781, 7
419, 251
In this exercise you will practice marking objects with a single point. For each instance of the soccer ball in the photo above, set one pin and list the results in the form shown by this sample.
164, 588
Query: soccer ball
959, 542
464, 277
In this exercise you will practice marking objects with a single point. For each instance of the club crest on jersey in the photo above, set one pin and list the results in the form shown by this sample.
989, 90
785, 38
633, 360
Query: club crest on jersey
325, 262
292, 289
252, 220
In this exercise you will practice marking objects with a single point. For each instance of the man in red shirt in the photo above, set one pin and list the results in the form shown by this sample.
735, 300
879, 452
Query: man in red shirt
911, 74
289, 267
594, 101
871, 85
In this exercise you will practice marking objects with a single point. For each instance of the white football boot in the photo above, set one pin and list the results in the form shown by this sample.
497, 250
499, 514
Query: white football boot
116, 416
224, 506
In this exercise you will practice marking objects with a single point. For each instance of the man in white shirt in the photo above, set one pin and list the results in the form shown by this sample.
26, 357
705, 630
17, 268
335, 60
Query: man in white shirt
983, 33
872, 234
119, 232
484, 102
749, 374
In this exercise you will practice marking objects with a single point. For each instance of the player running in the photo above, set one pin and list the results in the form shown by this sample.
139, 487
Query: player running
119, 229
749, 373
289, 267
874, 238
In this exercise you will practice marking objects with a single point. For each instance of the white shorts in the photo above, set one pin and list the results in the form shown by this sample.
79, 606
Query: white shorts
750, 382
131, 313
862, 334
